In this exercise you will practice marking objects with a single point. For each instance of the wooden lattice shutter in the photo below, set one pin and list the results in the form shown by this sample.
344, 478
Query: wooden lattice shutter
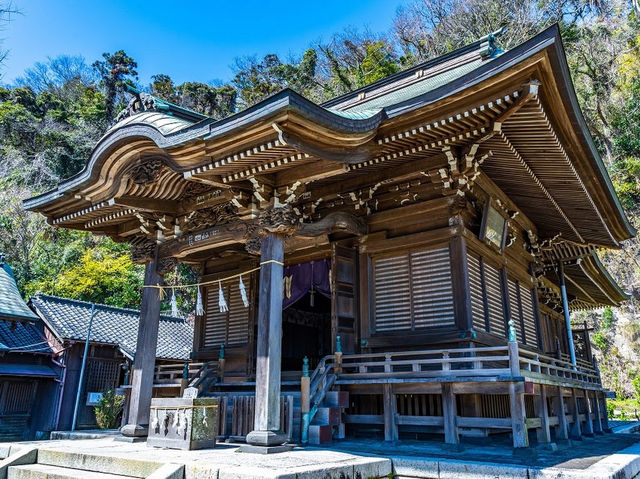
529, 316
215, 330
493, 283
514, 308
432, 288
230, 327
392, 293
16, 397
477, 293
238, 315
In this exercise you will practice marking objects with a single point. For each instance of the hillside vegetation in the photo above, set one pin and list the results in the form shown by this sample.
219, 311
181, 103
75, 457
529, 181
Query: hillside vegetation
54, 114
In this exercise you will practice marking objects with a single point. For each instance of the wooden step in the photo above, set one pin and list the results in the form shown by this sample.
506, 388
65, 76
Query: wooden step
320, 434
336, 399
46, 471
329, 416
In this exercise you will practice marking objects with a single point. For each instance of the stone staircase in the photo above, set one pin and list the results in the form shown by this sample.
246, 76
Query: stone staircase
327, 423
53, 464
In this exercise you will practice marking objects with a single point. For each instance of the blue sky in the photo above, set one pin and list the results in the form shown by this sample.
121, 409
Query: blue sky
188, 40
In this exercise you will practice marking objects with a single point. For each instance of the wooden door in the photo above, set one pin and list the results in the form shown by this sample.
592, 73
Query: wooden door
344, 297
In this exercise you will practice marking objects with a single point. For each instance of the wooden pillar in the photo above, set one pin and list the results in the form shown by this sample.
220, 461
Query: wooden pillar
565, 309
267, 403
588, 420
542, 411
576, 430
449, 413
145, 358
518, 418
562, 430
597, 415
605, 415
389, 400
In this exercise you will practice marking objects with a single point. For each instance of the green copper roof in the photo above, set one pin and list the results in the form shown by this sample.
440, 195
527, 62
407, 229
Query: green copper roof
416, 89
12, 306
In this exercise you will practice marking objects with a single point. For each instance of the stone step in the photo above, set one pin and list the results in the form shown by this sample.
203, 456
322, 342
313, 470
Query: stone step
331, 416
46, 471
336, 399
320, 434
97, 463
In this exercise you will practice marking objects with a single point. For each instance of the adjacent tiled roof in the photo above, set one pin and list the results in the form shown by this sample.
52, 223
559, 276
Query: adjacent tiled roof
25, 337
12, 306
69, 319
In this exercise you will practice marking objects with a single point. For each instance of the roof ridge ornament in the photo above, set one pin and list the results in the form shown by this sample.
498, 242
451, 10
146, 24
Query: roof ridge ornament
490, 46
139, 103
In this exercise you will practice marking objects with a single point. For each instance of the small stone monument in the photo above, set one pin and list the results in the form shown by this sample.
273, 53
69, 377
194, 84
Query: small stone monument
183, 423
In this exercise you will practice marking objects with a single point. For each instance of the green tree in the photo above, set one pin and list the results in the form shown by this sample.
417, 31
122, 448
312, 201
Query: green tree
115, 71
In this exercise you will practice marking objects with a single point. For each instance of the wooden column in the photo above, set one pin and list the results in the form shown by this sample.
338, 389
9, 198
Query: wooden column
518, 418
267, 406
605, 416
597, 416
390, 426
562, 430
541, 407
449, 413
565, 309
576, 430
460, 277
145, 358
588, 420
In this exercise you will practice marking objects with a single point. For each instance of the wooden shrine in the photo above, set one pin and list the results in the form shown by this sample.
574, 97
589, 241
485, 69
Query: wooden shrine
419, 244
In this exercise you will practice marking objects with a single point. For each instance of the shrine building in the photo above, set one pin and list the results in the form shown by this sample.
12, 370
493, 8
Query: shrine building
409, 252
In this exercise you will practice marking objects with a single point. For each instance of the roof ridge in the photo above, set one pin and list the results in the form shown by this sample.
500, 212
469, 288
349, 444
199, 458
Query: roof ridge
103, 306
489, 50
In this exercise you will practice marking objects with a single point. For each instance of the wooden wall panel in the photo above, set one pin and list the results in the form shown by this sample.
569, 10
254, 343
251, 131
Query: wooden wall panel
413, 290
477, 292
495, 304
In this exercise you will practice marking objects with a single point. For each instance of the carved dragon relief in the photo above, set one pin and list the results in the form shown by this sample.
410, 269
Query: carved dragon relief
146, 172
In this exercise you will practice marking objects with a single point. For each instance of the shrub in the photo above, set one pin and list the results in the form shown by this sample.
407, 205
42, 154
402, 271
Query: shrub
109, 409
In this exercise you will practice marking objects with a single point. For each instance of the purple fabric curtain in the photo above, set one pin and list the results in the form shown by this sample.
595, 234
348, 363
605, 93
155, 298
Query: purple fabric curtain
300, 278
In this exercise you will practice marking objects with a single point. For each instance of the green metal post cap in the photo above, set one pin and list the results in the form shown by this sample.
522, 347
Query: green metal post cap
512, 331
305, 367
338, 344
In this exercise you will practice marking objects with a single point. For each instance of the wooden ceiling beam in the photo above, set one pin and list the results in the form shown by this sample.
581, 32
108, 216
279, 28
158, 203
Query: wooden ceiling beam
307, 173
170, 207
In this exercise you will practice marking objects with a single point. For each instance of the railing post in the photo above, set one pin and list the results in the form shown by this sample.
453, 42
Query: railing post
477, 364
514, 356
387, 363
305, 399
221, 361
446, 365
338, 364
184, 382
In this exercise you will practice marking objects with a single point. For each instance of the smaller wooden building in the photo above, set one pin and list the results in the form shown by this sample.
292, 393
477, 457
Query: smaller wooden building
111, 350
29, 377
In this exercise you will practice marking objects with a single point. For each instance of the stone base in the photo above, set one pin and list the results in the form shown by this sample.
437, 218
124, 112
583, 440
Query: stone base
525, 452
135, 430
265, 449
547, 446
130, 439
459, 447
266, 438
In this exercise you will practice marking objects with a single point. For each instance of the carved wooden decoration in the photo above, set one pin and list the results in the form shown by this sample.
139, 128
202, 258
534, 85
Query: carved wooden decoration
334, 222
143, 252
212, 216
147, 172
